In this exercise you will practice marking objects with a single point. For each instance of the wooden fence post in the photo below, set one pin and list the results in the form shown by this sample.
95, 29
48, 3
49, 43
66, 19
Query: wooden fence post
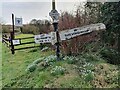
12, 46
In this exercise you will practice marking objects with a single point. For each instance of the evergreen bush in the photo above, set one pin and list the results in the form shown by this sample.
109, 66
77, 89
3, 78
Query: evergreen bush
111, 55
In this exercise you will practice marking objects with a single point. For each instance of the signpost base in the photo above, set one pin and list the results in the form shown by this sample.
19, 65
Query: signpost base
57, 44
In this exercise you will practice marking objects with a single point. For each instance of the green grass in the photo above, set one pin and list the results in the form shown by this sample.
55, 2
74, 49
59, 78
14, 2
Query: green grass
14, 70
15, 65
0, 61
0, 64
26, 40
23, 35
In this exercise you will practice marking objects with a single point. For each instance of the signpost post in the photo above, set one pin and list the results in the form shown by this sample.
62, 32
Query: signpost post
17, 23
55, 15
12, 35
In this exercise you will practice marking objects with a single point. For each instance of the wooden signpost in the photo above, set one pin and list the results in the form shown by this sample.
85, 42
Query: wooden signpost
12, 35
17, 23
55, 16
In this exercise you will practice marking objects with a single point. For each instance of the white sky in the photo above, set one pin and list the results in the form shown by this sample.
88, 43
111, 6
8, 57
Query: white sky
42, 0
33, 9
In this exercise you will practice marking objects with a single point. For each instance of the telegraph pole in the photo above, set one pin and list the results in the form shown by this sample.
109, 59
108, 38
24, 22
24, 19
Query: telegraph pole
55, 16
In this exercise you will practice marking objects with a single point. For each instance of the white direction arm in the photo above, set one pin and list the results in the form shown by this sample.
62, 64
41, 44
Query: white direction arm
68, 34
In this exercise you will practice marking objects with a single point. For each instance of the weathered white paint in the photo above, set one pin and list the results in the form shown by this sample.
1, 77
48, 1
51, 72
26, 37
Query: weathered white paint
54, 15
15, 42
53, 38
71, 33
68, 34
42, 38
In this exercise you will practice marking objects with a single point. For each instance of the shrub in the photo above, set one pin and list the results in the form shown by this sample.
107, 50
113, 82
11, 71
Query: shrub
112, 56
5, 29
58, 70
30, 29
91, 57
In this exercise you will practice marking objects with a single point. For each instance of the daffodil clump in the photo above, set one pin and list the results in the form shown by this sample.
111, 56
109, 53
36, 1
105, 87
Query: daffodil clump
58, 70
50, 60
71, 59
33, 65
86, 71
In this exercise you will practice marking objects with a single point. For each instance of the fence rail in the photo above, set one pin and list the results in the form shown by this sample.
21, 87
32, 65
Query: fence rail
26, 48
9, 43
6, 41
24, 43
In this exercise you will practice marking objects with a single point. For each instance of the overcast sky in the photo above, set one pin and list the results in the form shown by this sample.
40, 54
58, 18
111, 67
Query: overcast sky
34, 9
